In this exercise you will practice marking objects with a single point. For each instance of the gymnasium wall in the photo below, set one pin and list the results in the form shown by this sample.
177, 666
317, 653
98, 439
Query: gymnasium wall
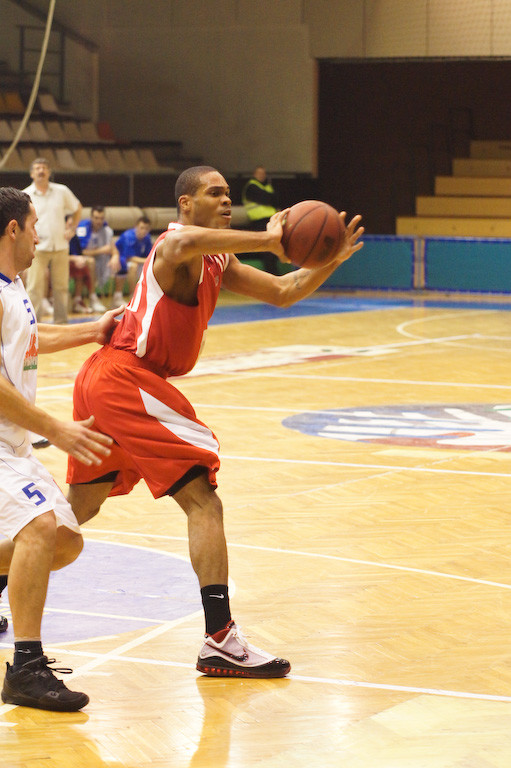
400, 124
236, 80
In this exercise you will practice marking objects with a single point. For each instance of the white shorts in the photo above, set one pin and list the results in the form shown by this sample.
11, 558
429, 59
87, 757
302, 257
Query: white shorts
27, 490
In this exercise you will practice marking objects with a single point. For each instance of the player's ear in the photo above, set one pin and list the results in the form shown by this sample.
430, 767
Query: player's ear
12, 229
184, 203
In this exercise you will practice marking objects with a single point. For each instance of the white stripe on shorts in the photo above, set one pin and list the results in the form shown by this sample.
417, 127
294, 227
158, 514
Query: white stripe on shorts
185, 429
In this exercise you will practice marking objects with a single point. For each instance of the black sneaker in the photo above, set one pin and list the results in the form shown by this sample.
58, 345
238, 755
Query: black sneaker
35, 685
3, 624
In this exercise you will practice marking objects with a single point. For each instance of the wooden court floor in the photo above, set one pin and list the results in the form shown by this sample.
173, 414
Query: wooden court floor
370, 543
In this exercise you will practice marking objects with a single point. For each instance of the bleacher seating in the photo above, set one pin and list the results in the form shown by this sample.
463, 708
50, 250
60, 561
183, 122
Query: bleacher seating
49, 154
65, 159
38, 132
450, 226
88, 132
71, 131
55, 131
459, 185
121, 217
83, 159
486, 167
114, 159
12, 103
160, 217
72, 144
464, 206
490, 149
132, 160
28, 155
6, 132
14, 162
474, 202
47, 103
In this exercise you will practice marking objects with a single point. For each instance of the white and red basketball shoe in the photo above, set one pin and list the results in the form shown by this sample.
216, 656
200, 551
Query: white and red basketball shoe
228, 654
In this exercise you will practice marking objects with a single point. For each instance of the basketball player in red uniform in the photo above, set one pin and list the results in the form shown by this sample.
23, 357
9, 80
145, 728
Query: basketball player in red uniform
156, 432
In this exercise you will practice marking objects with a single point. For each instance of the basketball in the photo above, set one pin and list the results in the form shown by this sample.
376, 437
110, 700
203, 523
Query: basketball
312, 234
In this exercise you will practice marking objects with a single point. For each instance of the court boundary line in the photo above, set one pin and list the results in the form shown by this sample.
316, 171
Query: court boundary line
395, 468
279, 373
97, 659
300, 553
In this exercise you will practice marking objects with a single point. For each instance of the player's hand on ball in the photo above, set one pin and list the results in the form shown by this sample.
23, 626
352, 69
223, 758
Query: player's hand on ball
275, 227
351, 242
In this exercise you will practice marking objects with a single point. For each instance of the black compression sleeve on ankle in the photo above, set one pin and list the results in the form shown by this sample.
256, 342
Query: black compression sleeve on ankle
215, 599
26, 650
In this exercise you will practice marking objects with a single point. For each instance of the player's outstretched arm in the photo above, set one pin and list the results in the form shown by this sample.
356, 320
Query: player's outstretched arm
286, 290
73, 437
188, 242
54, 338
78, 440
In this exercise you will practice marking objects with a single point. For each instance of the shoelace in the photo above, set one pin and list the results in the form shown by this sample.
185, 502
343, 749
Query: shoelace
62, 670
238, 634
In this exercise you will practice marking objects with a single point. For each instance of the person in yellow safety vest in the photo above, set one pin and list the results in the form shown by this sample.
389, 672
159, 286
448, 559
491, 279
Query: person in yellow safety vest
260, 202
259, 197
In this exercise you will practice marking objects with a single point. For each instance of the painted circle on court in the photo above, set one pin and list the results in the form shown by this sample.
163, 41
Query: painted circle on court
458, 426
114, 588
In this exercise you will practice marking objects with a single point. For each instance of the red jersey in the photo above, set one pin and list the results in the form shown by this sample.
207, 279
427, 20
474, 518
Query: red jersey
166, 334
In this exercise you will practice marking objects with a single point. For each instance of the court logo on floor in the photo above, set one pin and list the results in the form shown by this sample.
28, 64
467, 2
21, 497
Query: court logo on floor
469, 427
275, 357
113, 588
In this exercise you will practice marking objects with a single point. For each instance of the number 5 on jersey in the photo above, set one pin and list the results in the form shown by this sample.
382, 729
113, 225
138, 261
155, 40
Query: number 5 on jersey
32, 493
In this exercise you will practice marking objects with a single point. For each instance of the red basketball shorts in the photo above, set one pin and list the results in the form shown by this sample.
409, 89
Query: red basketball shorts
156, 432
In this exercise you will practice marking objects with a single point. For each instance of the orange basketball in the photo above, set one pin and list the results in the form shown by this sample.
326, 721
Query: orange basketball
313, 234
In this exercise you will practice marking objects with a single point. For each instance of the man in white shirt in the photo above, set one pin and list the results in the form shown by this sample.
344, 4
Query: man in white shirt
52, 202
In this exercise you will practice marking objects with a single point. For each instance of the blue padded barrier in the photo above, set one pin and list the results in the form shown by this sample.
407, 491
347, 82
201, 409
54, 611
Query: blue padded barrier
467, 264
385, 262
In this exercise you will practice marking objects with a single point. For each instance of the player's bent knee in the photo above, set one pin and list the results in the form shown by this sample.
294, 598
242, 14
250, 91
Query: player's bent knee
41, 529
84, 514
86, 499
69, 546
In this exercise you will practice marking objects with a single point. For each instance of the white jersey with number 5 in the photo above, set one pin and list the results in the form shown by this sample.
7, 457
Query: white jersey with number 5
19, 348
27, 489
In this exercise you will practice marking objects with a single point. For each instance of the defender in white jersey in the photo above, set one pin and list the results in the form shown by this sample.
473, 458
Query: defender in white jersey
38, 529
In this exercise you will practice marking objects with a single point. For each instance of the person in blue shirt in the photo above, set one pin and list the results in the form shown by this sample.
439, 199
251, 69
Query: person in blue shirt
134, 245
97, 243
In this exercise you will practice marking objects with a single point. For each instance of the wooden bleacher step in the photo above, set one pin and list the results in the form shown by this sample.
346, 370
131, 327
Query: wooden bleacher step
467, 166
470, 186
478, 207
451, 226
493, 150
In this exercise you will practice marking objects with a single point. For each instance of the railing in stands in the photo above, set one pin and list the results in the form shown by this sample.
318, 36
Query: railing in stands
65, 34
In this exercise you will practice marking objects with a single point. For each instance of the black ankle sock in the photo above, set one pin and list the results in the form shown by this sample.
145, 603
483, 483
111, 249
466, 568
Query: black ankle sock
215, 599
3, 583
26, 650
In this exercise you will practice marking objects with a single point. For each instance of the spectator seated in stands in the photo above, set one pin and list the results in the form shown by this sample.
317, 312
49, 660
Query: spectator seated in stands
79, 272
97, 243
134, 246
